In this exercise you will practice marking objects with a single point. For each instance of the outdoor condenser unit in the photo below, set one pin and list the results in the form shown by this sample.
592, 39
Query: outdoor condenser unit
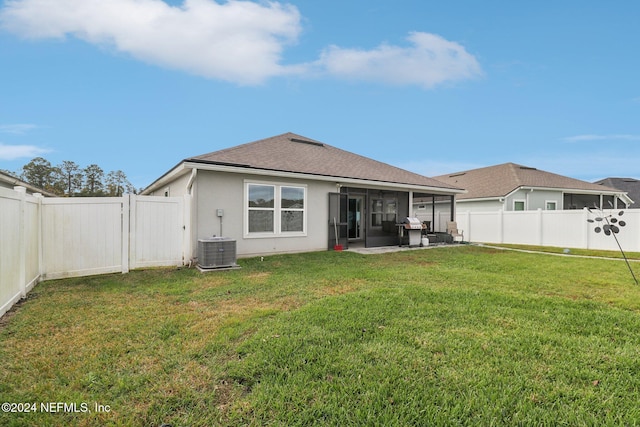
217, 252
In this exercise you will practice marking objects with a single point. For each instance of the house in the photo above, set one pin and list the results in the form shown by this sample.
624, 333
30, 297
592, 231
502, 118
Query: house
290, 193
513, 187
10, 181
629, 185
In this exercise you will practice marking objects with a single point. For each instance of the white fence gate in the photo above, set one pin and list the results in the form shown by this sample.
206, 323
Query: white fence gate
566, 228
48, 238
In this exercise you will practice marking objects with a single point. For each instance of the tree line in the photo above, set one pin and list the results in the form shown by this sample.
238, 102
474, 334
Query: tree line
70, 180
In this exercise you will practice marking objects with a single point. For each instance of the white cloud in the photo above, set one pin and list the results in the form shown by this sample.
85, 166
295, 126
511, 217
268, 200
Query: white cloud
431, 60
17, 129
13, 152
236, 41
589, 137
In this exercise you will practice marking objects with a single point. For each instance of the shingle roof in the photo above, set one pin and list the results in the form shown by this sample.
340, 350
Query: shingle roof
11, 181
630, 185
294, 153
500, 180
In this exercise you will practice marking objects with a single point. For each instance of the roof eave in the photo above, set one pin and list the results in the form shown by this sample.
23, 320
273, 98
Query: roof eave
344, 181
173, 173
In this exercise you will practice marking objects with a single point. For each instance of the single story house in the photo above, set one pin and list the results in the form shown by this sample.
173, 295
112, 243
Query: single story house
513, 187
290, 193
631, 186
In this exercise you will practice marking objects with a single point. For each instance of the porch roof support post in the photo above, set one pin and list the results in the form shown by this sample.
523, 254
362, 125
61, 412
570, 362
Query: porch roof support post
453, 207
411, 213
433, 213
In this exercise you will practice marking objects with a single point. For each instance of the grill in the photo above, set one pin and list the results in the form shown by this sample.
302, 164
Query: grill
410, 231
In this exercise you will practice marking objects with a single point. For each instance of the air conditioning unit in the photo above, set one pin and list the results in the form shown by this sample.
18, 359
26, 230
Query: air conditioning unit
217, 252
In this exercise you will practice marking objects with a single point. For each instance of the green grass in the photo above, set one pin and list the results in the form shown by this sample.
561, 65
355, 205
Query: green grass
571, 251
447, 336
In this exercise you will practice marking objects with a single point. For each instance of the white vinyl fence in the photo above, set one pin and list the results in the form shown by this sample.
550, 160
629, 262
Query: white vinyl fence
566, 228
19, 245
47, 238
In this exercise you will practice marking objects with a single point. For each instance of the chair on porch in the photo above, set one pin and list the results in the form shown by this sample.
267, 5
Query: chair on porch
452, 229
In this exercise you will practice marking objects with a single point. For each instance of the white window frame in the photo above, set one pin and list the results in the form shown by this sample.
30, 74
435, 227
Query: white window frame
277, 210
524, 204
554, 202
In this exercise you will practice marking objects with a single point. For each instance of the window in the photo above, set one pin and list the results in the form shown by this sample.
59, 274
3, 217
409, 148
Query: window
275, 209
377, 212
550, 205
518, 205
261, 208
291, 209
383, 210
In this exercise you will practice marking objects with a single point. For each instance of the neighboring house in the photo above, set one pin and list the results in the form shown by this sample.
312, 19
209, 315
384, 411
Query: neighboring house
9, 181
513, 187
290, 193
629, 185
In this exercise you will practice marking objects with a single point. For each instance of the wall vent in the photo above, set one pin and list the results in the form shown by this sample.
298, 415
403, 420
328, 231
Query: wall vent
305, 141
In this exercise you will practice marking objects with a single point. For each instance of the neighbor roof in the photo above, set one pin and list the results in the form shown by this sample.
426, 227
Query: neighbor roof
290, 152
10, 181
629, 185
500, 180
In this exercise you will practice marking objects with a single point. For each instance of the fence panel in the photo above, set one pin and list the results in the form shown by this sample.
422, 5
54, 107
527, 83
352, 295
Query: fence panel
82, 236
629, 235
157, 231
19, 250
521, 227
482, 226
11, 238
568, 229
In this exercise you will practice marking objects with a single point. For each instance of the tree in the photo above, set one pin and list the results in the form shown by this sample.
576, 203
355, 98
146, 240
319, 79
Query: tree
72, 176
93, 176
118, 184
38, 172
70, 179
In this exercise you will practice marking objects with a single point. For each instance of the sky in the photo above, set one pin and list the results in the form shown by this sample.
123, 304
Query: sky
434, 87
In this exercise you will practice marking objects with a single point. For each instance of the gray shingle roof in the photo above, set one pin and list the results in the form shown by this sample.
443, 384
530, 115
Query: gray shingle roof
294, 153
630, 185
500, 180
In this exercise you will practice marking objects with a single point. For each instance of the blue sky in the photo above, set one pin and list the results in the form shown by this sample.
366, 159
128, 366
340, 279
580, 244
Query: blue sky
430, 86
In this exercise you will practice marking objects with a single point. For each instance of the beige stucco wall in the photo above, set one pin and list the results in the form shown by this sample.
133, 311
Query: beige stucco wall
535, 199
224, 190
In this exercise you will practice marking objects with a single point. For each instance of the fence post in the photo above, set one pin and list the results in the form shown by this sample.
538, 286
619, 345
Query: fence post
133, 228
22, 245
540, 228
39, 198
125, 232
585, 228
500, 226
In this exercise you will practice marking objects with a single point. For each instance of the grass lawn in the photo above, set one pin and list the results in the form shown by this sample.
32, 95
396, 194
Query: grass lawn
446, 336
571, 251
